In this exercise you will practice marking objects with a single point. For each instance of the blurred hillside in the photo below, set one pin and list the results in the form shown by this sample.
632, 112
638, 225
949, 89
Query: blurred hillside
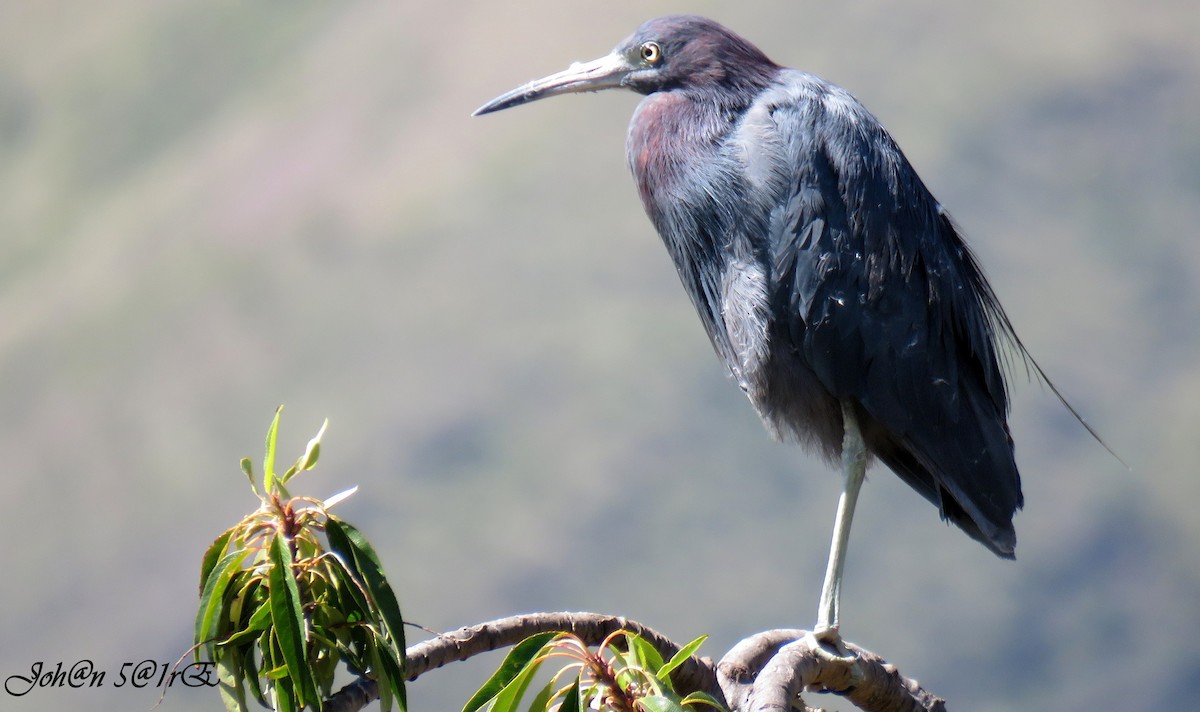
207, 209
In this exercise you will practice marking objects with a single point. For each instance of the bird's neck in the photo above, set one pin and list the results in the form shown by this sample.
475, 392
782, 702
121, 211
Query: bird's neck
670, 131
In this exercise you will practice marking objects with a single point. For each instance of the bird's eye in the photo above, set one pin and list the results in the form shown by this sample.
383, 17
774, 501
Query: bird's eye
651, 53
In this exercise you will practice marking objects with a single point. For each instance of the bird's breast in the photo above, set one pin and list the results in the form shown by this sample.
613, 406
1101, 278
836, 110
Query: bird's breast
658, 147
692, 184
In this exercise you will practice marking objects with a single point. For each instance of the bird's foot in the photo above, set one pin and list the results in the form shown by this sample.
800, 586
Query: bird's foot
828, 640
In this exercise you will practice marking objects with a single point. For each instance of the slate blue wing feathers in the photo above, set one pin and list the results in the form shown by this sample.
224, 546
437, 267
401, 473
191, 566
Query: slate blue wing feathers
887, 307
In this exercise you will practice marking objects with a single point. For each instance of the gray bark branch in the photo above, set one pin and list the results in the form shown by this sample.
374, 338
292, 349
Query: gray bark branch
765, 672
768, 671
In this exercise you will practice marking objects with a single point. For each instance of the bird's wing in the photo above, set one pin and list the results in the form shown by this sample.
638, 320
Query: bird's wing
889, 309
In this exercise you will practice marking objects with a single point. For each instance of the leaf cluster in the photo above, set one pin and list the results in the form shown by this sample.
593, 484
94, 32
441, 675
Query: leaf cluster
624, 674
291, 592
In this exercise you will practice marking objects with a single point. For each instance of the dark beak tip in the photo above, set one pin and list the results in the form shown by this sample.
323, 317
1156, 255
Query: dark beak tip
498, 104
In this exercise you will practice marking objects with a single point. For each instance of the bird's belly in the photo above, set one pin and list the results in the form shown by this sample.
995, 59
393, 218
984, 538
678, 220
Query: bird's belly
793, 404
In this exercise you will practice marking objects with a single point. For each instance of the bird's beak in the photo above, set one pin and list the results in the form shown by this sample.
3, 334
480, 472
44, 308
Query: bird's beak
604, 73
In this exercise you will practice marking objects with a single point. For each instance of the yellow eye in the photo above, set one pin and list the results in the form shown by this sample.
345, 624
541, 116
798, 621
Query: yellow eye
651, 53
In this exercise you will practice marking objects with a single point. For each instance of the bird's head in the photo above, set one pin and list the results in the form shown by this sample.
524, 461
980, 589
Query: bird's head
676, 52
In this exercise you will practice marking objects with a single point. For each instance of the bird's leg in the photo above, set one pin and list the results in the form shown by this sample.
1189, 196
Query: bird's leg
854, 470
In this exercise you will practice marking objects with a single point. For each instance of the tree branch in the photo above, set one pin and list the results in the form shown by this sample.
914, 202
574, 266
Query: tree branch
769, 670
592, 628
766, 671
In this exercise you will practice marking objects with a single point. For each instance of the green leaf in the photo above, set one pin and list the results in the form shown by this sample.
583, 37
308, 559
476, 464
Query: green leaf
331, 501
541, 700
251, 676
391, 674
248, 469
509, 698
518, 661
285, 696
573, 700
645, 655
679, 658
307, 547
309, 459
212, 599
313, 451
385, 690
351, 592
267, 646
394, 675
325, 667
214, 553
229, 676
243, 589
659, 703
269, 457
703, 698
254, 626
357, 554
288, 618
388, 672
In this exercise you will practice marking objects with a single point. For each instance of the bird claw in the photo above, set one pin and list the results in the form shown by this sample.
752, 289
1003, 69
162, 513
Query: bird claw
827, 641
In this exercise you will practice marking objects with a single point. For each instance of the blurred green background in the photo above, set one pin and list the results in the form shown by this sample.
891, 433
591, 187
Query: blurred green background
207, 209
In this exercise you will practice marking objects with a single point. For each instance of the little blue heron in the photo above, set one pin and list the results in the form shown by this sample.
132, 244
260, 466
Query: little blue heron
833, 285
